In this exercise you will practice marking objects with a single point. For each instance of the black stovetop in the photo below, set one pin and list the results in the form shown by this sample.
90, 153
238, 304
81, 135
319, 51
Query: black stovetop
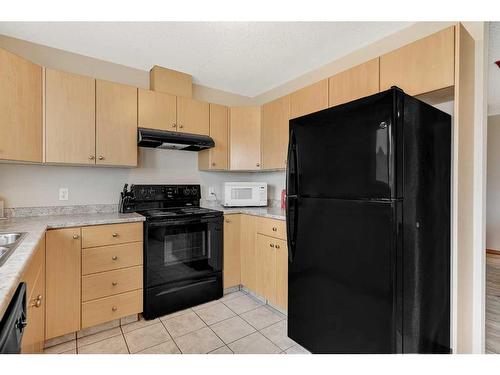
177, 212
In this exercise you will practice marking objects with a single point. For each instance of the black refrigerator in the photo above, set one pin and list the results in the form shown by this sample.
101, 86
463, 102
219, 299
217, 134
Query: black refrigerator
368, 221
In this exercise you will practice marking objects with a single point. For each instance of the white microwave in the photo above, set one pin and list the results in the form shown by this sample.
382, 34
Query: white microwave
238, 194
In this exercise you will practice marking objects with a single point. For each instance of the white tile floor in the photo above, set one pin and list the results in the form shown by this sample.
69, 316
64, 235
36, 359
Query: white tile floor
236, 323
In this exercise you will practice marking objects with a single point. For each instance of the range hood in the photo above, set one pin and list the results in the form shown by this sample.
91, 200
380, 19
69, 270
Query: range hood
173, 140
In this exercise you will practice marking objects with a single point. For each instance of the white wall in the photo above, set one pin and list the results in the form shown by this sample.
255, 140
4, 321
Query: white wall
38, 185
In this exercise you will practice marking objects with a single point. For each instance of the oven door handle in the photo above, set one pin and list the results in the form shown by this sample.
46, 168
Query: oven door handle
186, 221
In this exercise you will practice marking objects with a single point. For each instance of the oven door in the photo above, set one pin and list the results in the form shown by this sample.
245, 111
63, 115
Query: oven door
181, 249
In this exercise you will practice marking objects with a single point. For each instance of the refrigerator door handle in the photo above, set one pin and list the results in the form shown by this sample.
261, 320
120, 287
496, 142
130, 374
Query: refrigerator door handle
291, 196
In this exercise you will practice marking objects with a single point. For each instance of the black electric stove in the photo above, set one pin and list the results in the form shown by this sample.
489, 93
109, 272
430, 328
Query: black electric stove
183, 246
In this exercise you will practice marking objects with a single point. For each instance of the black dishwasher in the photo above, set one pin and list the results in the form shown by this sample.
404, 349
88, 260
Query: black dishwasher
13, 323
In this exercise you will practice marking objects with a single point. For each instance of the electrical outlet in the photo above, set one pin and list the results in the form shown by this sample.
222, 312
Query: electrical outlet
63, 194
211, 193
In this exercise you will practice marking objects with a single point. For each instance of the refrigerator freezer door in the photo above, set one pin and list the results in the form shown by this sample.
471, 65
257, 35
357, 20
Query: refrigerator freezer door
341, 282
346, 151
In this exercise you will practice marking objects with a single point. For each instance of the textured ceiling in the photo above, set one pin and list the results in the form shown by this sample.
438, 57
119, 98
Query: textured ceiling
246, 58
494, 71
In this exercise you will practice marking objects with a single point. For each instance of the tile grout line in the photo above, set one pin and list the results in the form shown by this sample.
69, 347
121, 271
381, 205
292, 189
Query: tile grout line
222, 341
172, 337
124, 339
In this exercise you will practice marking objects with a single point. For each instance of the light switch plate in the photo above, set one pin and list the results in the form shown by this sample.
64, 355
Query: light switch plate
63, 194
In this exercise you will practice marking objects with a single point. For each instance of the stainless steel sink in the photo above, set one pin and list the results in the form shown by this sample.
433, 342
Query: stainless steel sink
8, 243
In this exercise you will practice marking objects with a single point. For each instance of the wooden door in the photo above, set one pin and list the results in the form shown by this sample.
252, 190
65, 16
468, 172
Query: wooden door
69, 118
20, 109
281, 296
157, 110
63, 282
354, 83
309, 99
216, 158
248, 255
116, 124
266, 267
422, 66
275, 117
34, 277
244, 138
192, 116
232, 257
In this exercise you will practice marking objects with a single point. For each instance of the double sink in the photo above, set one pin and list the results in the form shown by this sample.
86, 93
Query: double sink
8, 243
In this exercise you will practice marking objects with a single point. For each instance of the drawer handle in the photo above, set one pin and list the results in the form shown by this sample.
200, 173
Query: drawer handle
76, 236
271, 245
114, 257
114, 283
114, 308
115, 235
275, 229
277, 246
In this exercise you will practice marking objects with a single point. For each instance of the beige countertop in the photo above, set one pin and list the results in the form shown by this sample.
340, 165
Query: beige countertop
34, 227
270, 212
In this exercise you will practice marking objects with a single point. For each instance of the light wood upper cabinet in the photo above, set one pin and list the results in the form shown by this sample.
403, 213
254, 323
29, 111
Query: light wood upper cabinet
34, 277
192, 116
69, 118
422, 66
63, 282
244, 138
309, 99
248, 256
20, 109
116, 124
274, 140
232, 257
354, 83
216, 158
157, 110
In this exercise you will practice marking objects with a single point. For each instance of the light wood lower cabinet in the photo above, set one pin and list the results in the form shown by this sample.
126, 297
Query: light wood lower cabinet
248, 258
108, 258
63, 282
34, 277
20, 109
111, 234
106, 284
232, 255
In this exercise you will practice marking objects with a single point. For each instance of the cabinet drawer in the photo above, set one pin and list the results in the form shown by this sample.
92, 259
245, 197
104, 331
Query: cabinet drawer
107, 258
112, 234
271, 227
111, 282
110, 308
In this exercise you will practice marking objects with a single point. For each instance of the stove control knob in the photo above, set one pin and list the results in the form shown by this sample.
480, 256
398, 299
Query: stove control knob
186, 191
194, 191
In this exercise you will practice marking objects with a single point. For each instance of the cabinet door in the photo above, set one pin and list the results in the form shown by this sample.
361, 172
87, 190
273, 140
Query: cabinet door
69, 118
157, 110
310, 99
354, 83
232, 265
20, 109
116, 124
34, 276
422, 66
248, 256
244, 138
63, 282
275, 116
266, 267
216, 158
281, 296
192, 116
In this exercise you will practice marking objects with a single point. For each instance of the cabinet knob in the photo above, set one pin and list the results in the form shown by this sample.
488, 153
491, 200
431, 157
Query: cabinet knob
40, 297
277, 246
258, 164
114, 308
115, 235
275, 229
181, 126
114, 283
101, 157
76, 236
114, 257
228, 221
174, 125
91, 157
213, 164
38, 303
271, 245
